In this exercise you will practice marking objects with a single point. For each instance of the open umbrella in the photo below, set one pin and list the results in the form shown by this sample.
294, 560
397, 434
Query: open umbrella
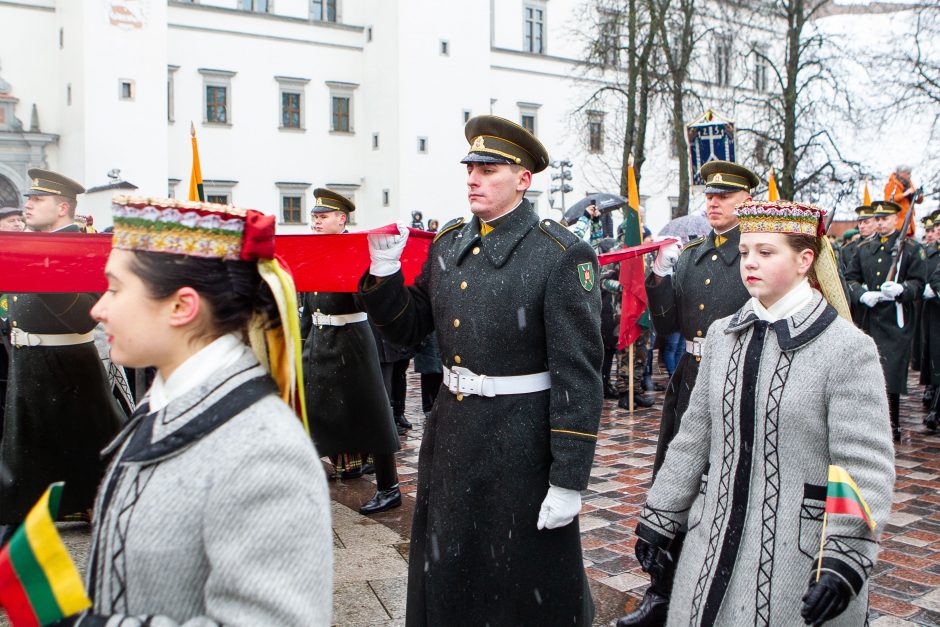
603, 201
686, 227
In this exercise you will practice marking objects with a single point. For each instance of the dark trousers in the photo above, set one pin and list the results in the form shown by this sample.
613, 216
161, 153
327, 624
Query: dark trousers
394, 374
386, 473
430, 385
609, 352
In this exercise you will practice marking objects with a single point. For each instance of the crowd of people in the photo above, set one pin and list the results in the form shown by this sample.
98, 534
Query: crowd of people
786, 360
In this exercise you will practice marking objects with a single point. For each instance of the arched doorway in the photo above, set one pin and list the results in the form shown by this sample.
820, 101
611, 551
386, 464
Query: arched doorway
9, 195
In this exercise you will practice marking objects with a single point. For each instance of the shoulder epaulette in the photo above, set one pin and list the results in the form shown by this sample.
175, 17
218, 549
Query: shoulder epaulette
694, 242
562, 236
450, 226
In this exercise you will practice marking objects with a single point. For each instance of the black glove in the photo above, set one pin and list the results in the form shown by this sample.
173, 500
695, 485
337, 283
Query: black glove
825, 599
654, 560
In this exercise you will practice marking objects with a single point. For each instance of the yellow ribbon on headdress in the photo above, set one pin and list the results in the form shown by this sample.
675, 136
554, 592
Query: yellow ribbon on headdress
278, 349
827, 274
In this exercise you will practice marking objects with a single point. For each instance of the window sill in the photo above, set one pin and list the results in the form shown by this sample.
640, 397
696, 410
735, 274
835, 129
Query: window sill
292, 129
342, 132
219, 124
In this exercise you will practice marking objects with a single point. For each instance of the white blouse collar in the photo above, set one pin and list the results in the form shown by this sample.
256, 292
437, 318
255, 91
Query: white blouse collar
789, 303
220, 354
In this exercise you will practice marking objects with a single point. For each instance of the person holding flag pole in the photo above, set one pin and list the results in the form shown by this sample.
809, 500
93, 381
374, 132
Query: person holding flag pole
785, 431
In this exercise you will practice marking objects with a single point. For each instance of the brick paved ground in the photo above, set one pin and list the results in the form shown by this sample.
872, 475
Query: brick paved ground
906, 586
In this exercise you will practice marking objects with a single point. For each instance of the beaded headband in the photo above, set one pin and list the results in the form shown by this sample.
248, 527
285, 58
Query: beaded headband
783, 216
199, 229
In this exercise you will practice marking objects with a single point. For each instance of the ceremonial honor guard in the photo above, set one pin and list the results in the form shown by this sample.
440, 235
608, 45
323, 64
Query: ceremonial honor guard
917, 346
889, 300
347, 404
788, 403
59, 412
929, 345
509, 444
686, 292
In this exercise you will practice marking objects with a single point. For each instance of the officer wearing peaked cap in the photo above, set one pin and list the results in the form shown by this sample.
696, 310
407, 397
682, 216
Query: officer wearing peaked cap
59, 409
350, 417
929, 330
889, 300
511, 438
866, 230
686, 292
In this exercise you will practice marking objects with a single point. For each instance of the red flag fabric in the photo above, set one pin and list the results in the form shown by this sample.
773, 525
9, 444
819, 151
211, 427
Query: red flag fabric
633, 251
634, 300
74, 262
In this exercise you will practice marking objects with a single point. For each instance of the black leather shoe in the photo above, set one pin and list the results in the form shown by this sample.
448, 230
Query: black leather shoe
639, 400
651, 612
401, 430
355, 473
368, 469
383, 500
610, 391
931, 421
659, 387
402, 422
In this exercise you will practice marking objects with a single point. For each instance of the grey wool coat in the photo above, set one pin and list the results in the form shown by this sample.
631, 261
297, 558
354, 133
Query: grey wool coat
775, 404
214, 512
517, 301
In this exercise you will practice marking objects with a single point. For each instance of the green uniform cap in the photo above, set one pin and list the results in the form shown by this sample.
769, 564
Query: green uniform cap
328, 200
884, 207
48, 183
864, 212
497, 140
722, 177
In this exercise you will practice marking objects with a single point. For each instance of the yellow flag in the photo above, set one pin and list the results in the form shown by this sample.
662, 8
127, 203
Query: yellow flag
772, 194
196, 191
866, 199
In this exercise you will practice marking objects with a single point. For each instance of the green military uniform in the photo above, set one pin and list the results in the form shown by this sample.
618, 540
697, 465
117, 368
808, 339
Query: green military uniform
929, 329
523, 299
705, 286
849, 251
917, 344
59, 410
868, 270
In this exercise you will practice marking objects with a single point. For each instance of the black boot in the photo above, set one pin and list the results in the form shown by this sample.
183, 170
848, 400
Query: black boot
610, 391
401, 421
639, 400
931, 422
383, 500
654, 606
894, 411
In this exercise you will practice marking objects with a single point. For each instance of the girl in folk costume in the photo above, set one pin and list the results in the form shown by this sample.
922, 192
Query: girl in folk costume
215, 508
788, 387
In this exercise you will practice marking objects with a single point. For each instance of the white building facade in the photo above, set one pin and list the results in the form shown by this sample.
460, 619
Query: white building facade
366, 97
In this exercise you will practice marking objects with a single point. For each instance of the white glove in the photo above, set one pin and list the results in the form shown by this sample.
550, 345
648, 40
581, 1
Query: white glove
385, 251
928, 292
666, 258
891, 289
870, 299
559, 508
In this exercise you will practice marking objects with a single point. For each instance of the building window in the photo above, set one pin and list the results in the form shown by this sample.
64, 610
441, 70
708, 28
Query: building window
385, 196
445, 47
369, 34
221, 199
375, 141
423, 145
170, 92
341, 107
467, 114
125, 89
325, 11
528, 116
723, 62
534, 28
596, 131
608, 52
760, 69
291, 96
217, 87
171, 187
219, 191
292, 210
256, 6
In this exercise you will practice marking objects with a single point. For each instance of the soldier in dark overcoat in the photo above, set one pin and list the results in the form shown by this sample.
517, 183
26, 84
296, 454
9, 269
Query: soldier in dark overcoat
686, 292
929, 345
509, 443
866, 230
917, 344
59, 409
347, 405
889, 317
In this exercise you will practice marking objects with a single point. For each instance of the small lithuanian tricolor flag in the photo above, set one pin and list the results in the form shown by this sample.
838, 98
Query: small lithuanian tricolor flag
39, 583
772, 194
843, 497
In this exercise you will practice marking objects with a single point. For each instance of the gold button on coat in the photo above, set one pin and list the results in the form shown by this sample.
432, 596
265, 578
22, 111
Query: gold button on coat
463, 285
714, 257
699, 333
708, 281
456, 359
460, 397
456, 323
476, 250
701, 306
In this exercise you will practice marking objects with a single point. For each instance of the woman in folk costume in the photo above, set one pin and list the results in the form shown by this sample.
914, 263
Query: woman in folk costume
215, 508
788, 387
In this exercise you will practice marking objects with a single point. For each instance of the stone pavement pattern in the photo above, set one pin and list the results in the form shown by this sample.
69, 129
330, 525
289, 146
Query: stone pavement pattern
371, 553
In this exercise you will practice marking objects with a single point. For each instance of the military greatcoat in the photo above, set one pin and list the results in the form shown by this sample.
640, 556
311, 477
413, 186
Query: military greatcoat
868, 270
706, 285
523, 299
929, 345
60, 412
347, 405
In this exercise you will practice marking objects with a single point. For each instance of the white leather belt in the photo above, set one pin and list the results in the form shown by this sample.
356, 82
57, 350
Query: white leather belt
695, 347
338, 320
20, 338
461, 381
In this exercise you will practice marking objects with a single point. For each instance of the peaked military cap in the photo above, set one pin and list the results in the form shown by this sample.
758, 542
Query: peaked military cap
6, 212
722, 177
49, 183
884, 207
328, 200
864, 212
930, 221
497, 140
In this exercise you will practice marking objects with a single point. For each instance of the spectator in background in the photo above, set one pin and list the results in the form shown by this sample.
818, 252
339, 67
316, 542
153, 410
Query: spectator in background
417, 220
11, 219
900, 189
433, 225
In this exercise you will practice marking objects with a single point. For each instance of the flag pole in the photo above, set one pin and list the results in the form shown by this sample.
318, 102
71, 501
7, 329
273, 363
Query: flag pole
822, 541
639, 220
631, 377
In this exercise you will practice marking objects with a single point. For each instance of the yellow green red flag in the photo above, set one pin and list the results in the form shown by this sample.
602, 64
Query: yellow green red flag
39, 583
196, 191
843, 497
